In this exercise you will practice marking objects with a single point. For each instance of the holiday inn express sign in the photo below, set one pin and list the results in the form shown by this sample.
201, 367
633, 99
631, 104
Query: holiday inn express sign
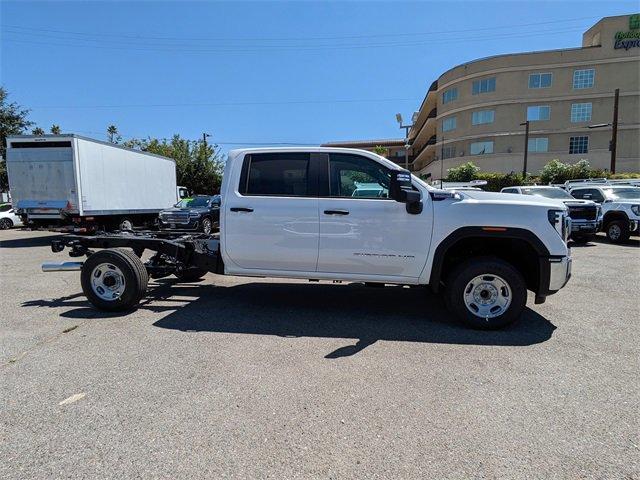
631, 38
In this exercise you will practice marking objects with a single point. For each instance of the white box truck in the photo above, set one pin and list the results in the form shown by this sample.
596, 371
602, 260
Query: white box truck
83, 184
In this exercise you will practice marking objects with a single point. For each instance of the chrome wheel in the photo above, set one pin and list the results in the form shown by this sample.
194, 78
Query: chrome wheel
614, 232
487, 296
5, 224
126, 224
206, 226
107, 282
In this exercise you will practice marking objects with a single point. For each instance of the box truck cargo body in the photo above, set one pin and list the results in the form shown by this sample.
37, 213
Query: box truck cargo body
69, 179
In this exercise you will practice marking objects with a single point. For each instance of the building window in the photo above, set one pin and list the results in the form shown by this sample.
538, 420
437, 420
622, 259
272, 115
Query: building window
449, 124
583, 78
450, 95
482, 116
481, 148
448, 152
483, 86
579, 144
538, 112
538, 144
581, 112
540, 80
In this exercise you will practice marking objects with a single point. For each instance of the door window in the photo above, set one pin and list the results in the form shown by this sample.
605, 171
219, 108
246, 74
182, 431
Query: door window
588, 194
276, 174
356, 176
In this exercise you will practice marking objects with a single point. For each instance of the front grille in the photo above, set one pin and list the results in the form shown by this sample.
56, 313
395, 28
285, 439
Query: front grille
177, 217
589, 212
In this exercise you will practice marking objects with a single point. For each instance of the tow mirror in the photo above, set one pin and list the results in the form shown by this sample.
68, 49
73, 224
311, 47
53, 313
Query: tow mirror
402, 191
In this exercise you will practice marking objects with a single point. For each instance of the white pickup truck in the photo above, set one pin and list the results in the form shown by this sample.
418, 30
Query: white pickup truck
292, 213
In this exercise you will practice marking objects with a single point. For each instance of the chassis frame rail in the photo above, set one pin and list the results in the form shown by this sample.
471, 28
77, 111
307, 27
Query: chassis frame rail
195, 250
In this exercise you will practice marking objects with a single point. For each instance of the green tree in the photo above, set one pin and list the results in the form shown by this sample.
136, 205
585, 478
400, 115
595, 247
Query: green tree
198, 166
464, 173
13, 121
55, 129
113, 134
380, 150
37, 131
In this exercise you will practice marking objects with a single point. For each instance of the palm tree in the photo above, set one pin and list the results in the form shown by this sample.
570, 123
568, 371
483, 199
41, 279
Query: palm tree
55, 129
112, 132
37, 131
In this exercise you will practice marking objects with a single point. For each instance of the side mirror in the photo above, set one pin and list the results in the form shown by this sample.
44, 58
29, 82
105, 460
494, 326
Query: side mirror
401, 190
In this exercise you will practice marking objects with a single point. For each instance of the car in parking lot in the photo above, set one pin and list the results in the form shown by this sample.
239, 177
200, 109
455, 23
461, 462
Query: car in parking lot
584, 214
8, 217
198, 213
620, 206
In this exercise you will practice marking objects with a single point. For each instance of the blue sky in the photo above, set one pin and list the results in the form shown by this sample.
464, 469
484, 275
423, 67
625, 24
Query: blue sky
259, 72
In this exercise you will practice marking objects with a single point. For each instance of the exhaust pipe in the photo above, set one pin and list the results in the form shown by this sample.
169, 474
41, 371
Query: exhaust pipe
61, 267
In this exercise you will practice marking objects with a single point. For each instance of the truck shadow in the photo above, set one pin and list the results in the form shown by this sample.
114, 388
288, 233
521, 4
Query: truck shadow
350, 311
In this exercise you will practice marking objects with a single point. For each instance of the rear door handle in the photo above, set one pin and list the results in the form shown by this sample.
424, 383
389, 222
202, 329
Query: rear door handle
336, 212
241, 209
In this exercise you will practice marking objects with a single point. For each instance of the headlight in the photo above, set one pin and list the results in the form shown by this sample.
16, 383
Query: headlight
635, 209
561, 222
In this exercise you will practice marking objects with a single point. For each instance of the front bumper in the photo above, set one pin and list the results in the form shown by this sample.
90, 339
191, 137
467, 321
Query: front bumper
191, 225
555, 272
585, 226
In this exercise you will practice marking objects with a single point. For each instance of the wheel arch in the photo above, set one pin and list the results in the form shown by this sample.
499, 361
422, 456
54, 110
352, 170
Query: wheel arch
520, 247
614, 215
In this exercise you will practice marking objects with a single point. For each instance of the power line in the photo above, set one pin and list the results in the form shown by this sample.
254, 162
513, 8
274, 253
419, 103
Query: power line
234, 104
186, 48
331, 37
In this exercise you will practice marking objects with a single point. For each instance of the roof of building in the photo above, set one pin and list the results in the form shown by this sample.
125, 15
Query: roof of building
389, 142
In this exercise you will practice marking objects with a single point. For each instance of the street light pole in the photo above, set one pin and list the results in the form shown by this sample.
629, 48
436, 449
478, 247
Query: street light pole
441, 159
614, 130
406, 136
526, 148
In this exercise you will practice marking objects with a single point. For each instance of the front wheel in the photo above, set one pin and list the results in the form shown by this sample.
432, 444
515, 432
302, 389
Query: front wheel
618, 231
486, 293
114, 279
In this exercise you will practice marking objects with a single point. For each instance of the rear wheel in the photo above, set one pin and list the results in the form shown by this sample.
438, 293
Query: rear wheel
114, 279
207, 225
486, 293
618, 231
125, 224
5, 224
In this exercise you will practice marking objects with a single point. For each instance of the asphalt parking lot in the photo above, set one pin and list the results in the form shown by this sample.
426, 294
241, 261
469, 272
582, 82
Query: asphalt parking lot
249, 378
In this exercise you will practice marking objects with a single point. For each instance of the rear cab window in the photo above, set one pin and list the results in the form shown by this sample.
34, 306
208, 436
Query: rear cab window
276, 174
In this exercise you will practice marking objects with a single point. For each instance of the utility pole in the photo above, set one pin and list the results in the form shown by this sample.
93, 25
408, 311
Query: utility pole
526, 148
441, 160
204, 141
614, 130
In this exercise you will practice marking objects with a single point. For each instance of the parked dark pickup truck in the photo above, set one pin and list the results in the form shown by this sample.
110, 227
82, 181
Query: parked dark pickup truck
198, 213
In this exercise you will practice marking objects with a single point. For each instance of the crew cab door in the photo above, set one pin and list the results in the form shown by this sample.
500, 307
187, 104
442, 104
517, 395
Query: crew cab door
362, 230
271, 214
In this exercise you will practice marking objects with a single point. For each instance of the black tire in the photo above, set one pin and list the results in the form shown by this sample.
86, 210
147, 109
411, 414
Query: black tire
491, 267
134, 277
191, 274
617, 231
5, 223
582, 238
207, 226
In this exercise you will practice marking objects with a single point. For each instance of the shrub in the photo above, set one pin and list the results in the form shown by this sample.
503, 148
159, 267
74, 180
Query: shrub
464, 173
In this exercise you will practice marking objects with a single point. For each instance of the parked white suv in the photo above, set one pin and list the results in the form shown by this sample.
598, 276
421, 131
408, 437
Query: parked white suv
292, 213
584, 214
620, 207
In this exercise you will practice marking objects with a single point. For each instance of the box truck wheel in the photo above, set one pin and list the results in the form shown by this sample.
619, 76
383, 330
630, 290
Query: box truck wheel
126, 224
114, 279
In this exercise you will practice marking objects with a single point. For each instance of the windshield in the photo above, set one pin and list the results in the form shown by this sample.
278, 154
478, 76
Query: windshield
547, 192
631, 193
193, 202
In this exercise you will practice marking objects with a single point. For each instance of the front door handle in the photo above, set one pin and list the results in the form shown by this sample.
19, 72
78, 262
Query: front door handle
241, 209
336, 212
